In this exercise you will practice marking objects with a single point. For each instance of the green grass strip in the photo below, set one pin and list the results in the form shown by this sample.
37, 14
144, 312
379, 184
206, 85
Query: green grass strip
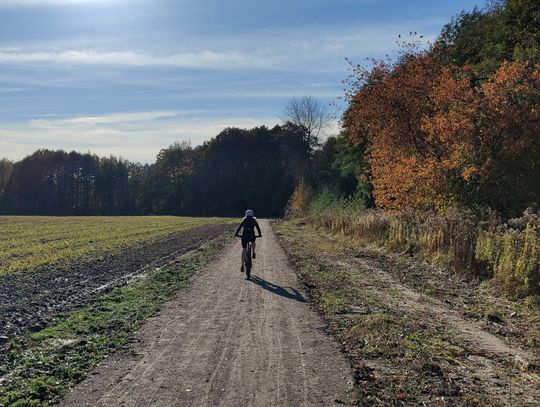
46, 364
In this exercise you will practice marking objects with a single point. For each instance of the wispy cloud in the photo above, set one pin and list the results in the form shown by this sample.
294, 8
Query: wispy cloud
121, 118
198, 59
313, 49
13, 90
137, 136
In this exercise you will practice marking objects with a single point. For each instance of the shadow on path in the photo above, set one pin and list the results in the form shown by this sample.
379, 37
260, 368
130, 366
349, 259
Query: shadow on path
278, 290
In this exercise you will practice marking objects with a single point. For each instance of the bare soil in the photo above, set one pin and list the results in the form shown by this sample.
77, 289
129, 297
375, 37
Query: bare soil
227, 341
30, 301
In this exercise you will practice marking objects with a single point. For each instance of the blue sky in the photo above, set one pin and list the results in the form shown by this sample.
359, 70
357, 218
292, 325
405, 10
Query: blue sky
129, 77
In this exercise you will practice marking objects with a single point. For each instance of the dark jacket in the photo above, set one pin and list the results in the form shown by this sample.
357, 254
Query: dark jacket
249, 224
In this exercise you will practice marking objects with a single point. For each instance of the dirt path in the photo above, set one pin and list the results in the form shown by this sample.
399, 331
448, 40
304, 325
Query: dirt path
228, 342
502, 368
416, 335
433, 308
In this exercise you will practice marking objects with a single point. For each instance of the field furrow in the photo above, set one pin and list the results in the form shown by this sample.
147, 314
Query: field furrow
79, 258
30, 242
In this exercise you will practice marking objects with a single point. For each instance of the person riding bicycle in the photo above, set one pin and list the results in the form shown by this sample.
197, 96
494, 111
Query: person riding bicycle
249, 223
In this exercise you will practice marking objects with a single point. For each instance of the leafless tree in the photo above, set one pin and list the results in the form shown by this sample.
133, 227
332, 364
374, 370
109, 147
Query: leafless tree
307, 111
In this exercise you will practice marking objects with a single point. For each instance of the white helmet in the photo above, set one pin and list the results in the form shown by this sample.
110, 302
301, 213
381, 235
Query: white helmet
249, 213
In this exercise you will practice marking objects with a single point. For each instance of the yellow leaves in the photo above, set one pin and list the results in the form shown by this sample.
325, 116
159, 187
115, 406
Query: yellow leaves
469, 172
299, 201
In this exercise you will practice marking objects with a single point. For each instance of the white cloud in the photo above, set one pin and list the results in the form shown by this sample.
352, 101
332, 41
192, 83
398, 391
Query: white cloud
120, 118
13, 90
136, 136
199, 59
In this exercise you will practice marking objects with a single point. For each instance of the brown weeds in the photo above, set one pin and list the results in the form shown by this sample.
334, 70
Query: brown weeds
459, 241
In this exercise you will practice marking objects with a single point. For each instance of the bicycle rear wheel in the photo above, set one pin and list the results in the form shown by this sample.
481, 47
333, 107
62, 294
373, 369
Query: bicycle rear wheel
248, 262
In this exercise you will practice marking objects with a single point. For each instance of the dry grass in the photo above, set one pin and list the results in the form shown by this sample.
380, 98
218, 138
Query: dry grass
458, 241
514, 257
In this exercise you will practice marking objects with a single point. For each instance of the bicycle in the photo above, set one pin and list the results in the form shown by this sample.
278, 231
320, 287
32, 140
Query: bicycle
248, 258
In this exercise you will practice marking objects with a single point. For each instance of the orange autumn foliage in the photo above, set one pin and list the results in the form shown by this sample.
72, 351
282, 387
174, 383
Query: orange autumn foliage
436, 138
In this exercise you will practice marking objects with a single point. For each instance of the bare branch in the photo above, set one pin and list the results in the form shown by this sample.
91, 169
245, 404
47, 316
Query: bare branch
309, 112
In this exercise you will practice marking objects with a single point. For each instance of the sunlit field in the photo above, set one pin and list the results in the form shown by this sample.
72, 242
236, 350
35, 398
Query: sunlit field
30, 242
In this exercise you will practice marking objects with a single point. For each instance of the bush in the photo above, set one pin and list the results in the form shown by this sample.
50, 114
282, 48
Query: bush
299, 202
514, 257
328, 200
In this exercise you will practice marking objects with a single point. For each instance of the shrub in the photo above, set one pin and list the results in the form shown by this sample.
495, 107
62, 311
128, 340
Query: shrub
514, 257
328, 200
456, 240
299, 202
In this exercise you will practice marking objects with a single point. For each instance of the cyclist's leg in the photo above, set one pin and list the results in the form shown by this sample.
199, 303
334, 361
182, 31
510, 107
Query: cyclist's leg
253, 245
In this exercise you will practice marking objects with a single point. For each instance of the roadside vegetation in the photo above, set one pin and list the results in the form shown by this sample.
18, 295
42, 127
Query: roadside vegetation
506, 253
31, 242
443, 146
416, 335
45, 364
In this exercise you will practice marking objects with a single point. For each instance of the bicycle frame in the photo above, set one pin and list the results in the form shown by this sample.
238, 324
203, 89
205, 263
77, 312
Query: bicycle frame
248, 259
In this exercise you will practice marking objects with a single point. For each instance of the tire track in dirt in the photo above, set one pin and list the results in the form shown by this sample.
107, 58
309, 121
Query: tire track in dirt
503, 368
226, 341
471, 332
129, 383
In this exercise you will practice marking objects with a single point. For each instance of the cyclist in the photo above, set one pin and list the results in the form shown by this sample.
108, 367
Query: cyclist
249, 223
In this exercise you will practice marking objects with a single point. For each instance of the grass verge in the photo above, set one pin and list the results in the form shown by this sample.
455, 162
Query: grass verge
45, 364
402, 355
480, 247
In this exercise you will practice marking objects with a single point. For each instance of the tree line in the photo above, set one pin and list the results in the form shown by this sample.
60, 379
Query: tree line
239, 168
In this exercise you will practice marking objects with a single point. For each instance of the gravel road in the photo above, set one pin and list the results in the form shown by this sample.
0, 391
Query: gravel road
226, 341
